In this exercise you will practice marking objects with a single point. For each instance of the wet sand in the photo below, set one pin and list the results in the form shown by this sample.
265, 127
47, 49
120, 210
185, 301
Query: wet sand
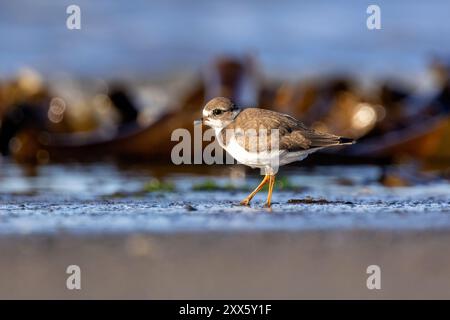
325, 228
257, 265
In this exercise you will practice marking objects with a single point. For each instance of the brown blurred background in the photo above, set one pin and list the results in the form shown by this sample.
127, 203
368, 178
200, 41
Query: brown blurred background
118, 87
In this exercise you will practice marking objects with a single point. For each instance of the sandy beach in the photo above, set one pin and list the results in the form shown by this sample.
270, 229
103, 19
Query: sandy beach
255, 265
190, 243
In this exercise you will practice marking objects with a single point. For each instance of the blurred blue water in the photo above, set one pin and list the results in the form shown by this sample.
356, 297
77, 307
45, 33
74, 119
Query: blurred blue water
294, 38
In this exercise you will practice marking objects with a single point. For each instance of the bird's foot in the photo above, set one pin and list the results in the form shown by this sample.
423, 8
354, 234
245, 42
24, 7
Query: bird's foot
245, 202
267, 205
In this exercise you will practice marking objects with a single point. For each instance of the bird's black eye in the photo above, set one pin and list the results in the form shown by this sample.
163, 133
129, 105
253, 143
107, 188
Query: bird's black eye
216, 112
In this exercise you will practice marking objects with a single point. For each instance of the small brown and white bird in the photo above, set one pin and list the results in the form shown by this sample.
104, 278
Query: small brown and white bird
264, 139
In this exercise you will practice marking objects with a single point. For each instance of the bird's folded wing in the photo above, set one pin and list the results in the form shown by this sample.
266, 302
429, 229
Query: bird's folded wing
290, 134
307, 139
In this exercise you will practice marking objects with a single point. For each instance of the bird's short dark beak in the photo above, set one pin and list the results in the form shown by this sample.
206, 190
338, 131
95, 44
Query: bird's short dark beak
198, 121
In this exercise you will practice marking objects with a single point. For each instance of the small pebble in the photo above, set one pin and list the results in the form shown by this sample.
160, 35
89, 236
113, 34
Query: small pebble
188, 207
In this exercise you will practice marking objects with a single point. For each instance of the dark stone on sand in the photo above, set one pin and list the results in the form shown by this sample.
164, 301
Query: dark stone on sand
316, 201
188, 207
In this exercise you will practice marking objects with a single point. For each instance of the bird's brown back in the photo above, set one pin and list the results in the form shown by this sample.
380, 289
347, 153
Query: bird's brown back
293, 135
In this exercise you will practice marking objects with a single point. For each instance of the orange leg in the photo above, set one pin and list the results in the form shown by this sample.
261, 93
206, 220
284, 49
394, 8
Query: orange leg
246, 201
269, 195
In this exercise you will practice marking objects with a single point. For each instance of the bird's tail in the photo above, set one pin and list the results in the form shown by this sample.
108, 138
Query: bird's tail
320, 139
343, 140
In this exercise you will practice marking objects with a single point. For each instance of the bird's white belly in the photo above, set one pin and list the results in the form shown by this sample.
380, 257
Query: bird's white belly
265, 159
252, 159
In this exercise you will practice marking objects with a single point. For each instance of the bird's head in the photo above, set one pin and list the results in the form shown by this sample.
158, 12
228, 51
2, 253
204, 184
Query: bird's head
219, 112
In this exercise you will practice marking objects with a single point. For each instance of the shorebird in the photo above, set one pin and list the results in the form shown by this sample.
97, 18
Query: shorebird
264, 139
